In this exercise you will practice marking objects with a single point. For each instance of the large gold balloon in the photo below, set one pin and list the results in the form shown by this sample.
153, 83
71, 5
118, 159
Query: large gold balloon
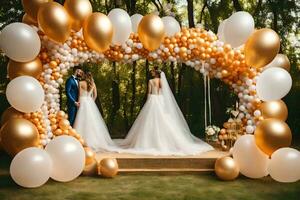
10, 113
18, 134
261, 47
226, 168
33, 68
78, 11
272, 134
90, 155
98, 32
54, 21
151, 31
28, 20
91, 169
274, 109
109, 167
281, 61
31, 7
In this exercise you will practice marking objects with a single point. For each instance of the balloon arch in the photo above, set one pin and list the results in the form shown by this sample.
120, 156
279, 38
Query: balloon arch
69, 36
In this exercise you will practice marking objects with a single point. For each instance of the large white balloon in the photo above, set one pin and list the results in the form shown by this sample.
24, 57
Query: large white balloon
31, 167
122, 25
68, 157
135, 20
285, 165
273, 84
252, 161
20, 42
171, 25
238, 28
220, 33
25, 94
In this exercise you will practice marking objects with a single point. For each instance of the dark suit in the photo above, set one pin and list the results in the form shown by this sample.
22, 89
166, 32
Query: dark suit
72, 96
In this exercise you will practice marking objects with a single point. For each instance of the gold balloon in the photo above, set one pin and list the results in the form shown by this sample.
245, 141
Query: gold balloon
151, 31
31, 7
10, 113
91, 169
18, 134
54, 21
33, 68
89, 155
98, 32
274, 109
226, 168
28, 20
64, 124
78, 11
272, 134
109, 167
281, 61
261, 47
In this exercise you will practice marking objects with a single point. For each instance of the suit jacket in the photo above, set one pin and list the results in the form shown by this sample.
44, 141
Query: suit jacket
72, 91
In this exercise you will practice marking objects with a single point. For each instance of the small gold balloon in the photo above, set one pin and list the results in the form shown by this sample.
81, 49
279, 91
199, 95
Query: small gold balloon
272, 134
78, 11
151, 31
261, 47
31, 7
281, 61
33, 68
28, 20
109, 167
10, 113
98, 32
64, 124
91, 169
18, 134
89, 155
274, 109
54, 21
226, 168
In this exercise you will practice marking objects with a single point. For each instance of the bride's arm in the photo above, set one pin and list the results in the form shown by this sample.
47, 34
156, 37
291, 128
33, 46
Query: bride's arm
94, 92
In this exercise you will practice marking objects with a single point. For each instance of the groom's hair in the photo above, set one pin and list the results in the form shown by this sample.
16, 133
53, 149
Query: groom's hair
75, 68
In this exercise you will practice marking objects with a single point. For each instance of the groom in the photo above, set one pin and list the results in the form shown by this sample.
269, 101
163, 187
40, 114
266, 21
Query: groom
72, 93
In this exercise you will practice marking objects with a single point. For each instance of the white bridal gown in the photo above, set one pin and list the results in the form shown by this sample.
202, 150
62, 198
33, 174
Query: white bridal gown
91, 126
160, 128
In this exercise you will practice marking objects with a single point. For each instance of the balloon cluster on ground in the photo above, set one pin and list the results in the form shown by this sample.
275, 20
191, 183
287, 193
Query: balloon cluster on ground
54, 38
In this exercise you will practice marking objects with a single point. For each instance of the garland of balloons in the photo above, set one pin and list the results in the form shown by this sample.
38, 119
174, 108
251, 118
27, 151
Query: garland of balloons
54, 38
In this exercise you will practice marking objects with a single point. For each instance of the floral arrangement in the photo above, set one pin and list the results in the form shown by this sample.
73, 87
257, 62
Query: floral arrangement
212, 132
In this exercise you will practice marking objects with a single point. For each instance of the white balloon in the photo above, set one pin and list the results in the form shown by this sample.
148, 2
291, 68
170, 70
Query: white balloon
31, 167
273, 84
285, 165
25, 94
171, 26
220, 33
135, 20
122, 25
252, 161
239, 26
68, 157
20, 42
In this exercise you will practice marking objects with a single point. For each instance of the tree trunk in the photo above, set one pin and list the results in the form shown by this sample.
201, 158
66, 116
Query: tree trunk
173, 83
237, 6
133, 88
190, 8
146, 82
115, 97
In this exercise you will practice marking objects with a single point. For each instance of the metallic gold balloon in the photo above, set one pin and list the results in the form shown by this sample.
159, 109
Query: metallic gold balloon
272, 134
91, 169
98, 32
78, 11
226, 168
151, 31
274, 109
18, 134
261, 47
109, 167
28, 20
33, 68
10, 113
54, 21
282, 61
64, 124
89, 155
31, 7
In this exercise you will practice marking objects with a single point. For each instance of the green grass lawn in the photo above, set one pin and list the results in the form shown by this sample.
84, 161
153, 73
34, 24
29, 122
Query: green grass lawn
135, 187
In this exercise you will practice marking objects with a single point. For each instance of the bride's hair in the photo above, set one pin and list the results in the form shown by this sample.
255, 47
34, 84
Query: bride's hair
156, 72
88, 77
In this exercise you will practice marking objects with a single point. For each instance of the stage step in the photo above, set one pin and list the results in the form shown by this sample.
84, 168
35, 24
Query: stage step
129, 163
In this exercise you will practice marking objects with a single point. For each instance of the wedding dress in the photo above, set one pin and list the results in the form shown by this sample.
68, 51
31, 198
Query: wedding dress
160, 128
91, 126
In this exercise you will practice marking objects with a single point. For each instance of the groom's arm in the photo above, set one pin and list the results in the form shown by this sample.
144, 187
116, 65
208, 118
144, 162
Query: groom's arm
68, 91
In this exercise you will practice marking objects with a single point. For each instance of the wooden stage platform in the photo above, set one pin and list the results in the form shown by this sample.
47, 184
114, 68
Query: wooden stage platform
130, 163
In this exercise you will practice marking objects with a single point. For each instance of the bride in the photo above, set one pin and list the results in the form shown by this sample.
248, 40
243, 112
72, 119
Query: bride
160, 128
89, 122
